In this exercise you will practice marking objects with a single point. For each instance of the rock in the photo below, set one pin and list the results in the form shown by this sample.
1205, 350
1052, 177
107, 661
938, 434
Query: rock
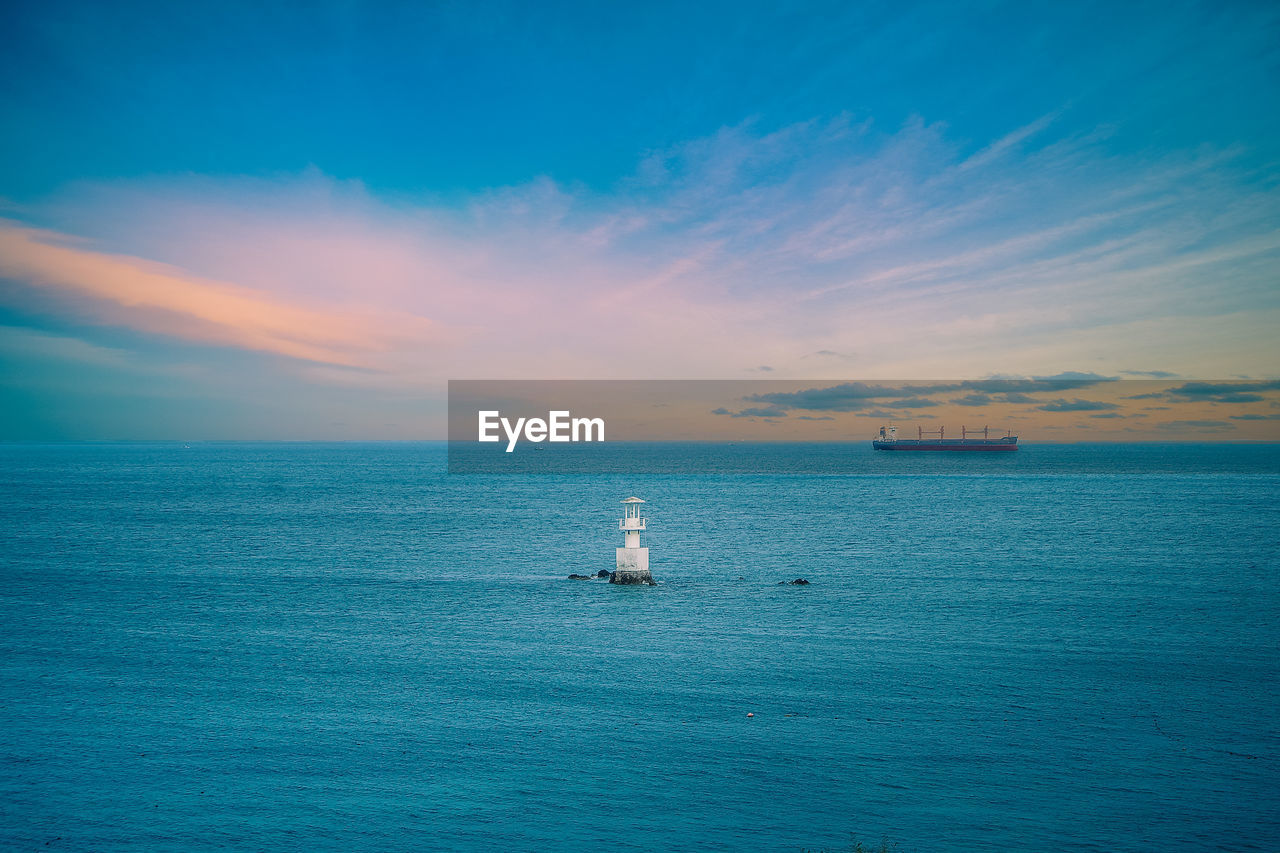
630, 577
603, 573
579, 577
799, 582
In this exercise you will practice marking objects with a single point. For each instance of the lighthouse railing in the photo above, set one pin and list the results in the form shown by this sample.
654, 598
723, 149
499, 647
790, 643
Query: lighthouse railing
633, 523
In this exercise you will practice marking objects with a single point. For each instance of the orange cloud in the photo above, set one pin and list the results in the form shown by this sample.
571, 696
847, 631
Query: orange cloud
157, 298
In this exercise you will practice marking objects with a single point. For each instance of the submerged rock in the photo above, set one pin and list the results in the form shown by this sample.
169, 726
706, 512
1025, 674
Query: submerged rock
796, 582
579, 577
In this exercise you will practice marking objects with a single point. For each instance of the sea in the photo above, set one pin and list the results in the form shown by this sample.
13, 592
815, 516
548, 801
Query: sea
299, 646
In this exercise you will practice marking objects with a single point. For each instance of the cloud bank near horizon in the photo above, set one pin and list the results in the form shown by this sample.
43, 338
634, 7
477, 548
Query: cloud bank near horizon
1070, 407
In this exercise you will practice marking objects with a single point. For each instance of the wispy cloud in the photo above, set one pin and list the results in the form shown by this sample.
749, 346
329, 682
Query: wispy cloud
1196, 425
812, 249
1224, 392
852, 396
153, 297
1077, 405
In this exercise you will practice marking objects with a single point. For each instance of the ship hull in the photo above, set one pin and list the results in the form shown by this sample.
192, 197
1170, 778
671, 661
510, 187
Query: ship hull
954, 444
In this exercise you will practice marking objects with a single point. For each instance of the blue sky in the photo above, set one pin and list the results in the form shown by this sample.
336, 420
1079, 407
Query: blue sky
448, 97
826, 190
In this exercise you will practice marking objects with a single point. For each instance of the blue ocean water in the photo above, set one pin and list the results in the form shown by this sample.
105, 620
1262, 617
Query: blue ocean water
333, 647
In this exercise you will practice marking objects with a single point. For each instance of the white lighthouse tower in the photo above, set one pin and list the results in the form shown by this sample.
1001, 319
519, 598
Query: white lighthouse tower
633, 561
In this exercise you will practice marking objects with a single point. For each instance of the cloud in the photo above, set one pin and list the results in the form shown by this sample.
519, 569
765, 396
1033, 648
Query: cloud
852, 396
164, 300
1214, 392
1255, 417
974, 400
1224, 392
889, 416
1076, 405
761, 412
720, 238
791, 247
910, 403
1154, 374
756, 412
1064, 381
1185, 425
1108, 415
831, 354
845, 397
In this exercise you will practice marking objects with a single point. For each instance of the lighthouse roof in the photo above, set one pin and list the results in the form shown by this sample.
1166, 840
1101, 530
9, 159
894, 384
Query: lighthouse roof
632, 500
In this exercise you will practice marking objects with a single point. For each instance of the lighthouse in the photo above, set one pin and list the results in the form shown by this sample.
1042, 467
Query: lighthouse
633, 561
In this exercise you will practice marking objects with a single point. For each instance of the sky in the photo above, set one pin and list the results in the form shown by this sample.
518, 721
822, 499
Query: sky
298, 221
1065, 407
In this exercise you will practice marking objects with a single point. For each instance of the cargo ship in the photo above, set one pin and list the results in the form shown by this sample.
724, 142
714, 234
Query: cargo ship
968, 440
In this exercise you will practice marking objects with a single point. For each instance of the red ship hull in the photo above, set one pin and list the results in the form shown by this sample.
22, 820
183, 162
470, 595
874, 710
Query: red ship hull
902, 445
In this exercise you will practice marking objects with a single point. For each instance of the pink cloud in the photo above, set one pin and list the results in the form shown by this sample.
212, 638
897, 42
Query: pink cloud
162, 299
717, 256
